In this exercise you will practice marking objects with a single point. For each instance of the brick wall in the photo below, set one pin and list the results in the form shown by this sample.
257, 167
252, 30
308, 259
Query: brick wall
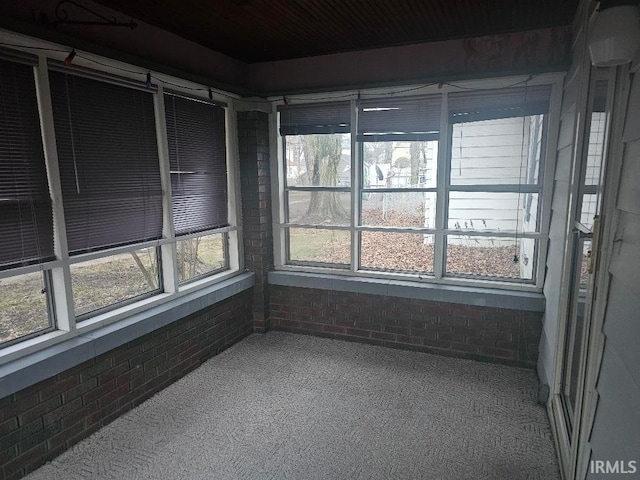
253, 143
40, 422
480, 333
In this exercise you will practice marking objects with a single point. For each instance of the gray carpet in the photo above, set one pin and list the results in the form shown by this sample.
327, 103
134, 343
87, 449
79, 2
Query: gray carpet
283, 406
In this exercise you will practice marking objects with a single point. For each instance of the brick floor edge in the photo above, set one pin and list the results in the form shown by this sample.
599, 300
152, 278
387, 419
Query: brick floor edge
489, 334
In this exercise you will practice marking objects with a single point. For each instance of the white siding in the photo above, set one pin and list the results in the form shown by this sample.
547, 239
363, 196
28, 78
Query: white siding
616, 430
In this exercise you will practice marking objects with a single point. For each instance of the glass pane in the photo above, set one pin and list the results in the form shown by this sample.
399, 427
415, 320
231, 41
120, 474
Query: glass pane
575, 326
491, 256
403, 209
107, 281
23, 306
200, 256
503, 151
594, 152
589, 209
404, 252
318, 160
505, 212
319, 208
320, 246
399, 164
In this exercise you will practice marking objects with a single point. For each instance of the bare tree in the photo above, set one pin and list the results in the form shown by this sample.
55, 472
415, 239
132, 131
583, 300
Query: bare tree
322, 155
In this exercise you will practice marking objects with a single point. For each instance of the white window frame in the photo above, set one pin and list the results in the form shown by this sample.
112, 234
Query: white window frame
278, 173
64, 324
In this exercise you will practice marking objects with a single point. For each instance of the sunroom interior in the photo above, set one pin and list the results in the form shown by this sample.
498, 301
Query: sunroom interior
420, 177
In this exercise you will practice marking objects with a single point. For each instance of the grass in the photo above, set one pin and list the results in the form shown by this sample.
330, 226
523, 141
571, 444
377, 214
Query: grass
322, 246
96, 284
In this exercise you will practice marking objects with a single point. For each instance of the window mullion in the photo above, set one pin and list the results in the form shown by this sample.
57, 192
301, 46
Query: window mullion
234, 247
168, 251
442, 200
62, 294
356, 188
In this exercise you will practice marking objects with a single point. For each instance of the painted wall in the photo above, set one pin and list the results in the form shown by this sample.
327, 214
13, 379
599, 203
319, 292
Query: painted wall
560, 211
545, 49
616, 429
148, 46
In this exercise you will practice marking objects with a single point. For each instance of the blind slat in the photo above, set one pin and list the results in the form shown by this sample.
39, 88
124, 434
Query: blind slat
109, 167
26, 218
315, 118
198, 165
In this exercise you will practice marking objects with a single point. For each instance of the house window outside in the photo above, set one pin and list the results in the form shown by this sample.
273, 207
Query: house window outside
448, 188
115, 238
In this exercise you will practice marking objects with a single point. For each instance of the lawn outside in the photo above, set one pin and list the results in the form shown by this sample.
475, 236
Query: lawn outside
96, 284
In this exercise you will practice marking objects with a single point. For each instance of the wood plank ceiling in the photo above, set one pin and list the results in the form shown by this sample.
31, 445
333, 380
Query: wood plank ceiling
265, 30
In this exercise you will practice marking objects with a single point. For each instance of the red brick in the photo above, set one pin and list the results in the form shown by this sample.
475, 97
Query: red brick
24, 460
383, 336
334, 329
40, 410
59, 386
17, 407
498, 352
62, 411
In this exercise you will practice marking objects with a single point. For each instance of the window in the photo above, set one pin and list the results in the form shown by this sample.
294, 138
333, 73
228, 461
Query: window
317, 146
140, 179
197, 159
495, 182
442, 187
26, 218
111, 187
398, 140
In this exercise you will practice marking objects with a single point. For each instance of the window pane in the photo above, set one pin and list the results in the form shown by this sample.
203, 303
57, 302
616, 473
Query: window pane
503, 151
319, 208
200, 256
404, 252
107, 281
320, 246
589, 205
404, 209
399, 164
508, 212
23, 306
594, 152
491, 256
318, 160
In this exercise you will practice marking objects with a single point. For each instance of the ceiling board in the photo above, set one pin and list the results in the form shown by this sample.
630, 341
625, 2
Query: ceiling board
266, 30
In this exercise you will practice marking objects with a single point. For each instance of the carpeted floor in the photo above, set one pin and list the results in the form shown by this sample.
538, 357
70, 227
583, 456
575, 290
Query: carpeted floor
283, 406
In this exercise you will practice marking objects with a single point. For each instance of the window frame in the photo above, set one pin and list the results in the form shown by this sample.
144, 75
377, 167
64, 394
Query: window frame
64, 322
518, 189
442, 189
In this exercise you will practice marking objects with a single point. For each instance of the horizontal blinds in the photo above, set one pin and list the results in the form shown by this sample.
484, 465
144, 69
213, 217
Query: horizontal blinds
315, 118
197, 158
26, 219
408, 118
474, 106
109, 168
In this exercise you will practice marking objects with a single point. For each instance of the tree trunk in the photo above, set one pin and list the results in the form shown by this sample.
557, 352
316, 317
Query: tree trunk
322, 154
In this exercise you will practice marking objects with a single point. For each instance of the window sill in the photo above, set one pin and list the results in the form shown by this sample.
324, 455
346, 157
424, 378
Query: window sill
70, 351
478, 296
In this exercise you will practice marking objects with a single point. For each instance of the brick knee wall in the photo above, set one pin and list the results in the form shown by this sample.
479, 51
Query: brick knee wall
42, 421
253, 144
481, 333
